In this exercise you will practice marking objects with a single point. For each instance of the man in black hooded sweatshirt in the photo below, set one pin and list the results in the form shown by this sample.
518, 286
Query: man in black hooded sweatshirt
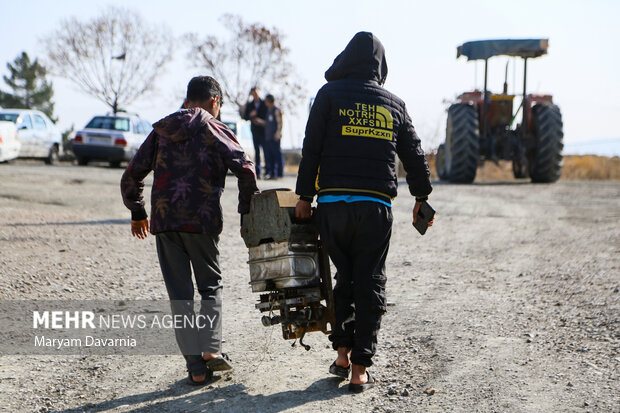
354, 131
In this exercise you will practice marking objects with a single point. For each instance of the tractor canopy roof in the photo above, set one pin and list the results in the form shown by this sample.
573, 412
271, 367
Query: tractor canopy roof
483, 49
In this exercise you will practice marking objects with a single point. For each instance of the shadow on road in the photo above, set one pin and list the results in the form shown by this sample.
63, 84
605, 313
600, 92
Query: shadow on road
99, 222
435, 182
497, 183
484, 183
228, 398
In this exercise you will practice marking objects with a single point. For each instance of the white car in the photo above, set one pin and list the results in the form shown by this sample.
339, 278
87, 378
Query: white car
37, 134
111, 138
241, 129
9, 143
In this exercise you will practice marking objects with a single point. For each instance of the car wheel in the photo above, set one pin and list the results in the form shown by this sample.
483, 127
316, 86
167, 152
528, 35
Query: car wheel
82, 161
115, 164
52, 157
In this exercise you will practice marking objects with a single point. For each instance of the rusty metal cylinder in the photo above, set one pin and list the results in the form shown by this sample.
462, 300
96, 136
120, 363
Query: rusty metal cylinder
282, 253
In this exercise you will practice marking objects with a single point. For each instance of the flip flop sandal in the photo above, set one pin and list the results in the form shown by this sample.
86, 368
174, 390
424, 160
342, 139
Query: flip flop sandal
339, 371
192, 382
358, 388
220, 363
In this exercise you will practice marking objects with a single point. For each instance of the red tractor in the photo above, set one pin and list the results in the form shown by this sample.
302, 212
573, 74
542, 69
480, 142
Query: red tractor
479, 125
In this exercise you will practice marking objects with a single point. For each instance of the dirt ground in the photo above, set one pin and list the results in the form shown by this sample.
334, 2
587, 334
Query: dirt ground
510, 303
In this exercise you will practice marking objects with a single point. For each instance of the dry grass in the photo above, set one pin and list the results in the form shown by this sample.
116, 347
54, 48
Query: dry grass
591, 167
576, 167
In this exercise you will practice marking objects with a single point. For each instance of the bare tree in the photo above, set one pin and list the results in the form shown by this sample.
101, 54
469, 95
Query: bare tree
114, 57
252, 55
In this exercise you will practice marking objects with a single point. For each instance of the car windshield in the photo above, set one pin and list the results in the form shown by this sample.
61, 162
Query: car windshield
11, 117
109, 122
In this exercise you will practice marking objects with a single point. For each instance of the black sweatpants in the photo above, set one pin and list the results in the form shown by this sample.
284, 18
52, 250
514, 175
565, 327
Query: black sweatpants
179, 253
357, 236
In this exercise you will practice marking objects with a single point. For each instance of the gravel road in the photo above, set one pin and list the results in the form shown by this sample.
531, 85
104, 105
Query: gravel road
510, 303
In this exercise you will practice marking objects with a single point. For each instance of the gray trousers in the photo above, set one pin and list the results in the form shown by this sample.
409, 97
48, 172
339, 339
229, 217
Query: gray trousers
179, 253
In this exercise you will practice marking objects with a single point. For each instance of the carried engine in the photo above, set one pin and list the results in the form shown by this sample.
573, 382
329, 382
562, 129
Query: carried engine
288, 266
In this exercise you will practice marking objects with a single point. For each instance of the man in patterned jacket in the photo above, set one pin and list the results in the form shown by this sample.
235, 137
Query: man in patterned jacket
190, 152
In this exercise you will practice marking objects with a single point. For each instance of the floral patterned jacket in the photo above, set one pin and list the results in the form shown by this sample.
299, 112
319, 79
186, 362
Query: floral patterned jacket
189, 152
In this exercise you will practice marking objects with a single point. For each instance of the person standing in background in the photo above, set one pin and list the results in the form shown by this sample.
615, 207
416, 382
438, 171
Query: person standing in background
273, 139
256, 111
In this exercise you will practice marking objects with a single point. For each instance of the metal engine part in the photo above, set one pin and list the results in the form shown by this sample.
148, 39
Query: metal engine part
278, 265
289, 265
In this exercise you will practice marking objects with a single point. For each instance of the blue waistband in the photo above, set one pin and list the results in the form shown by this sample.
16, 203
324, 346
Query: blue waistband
349, 198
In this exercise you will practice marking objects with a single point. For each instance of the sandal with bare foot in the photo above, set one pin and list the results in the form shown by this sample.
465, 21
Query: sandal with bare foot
192, 382
342, 372
219, 363
358, 388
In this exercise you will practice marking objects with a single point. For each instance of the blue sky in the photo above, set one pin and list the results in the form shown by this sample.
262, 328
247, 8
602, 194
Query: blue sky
420, 38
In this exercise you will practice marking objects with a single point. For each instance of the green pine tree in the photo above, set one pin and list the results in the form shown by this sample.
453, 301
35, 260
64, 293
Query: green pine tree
29, 87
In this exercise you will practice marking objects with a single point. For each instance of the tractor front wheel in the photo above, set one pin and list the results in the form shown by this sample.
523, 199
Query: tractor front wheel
440, 162
519, 170
545, 161
519, 163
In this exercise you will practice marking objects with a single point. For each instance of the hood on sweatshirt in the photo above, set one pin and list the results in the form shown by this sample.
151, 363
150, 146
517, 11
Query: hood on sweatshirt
181, 125
363, 58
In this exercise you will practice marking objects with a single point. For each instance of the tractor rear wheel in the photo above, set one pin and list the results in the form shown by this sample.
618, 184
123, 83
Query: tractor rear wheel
545, 161
461, 149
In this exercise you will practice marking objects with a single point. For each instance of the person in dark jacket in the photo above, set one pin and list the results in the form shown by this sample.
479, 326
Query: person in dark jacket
190, 152
256, 112
354, 130
273, 139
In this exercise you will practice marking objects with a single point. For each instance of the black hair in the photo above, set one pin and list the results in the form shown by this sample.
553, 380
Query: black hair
270, 98
202, 88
